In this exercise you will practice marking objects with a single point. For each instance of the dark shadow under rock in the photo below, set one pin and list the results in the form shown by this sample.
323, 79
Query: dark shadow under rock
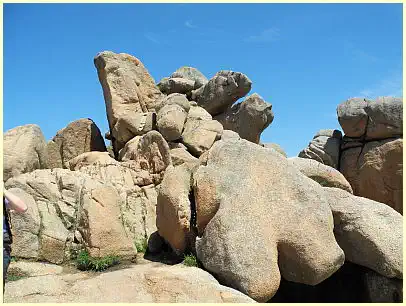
350, 284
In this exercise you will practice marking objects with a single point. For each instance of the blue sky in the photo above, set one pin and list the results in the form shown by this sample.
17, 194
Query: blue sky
305, 59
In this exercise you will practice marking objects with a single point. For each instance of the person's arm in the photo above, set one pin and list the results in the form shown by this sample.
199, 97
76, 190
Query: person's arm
14, 202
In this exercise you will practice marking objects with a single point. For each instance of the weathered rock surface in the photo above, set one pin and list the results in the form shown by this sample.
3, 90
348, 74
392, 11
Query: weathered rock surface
225, 88
148, 283
369, 232
381, 289
176, 85
149, 152
191, 74
35, 268
180, 156
372, 119
325, 148
200, 134
324, 175
77, 137
24, 150
130, 125
248, 118
276, 147
101, 207
375, 171
174, 213
172, 116
270, 221
90, 158
128, 88
61, 202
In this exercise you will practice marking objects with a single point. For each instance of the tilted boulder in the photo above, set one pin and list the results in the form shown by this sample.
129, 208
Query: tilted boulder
192, 74
322, 174
271, 221
128, 88
325, 148
375, 171
371, 119
24, 150
174, 212
225, 88
369, 232
77, 137
248, 118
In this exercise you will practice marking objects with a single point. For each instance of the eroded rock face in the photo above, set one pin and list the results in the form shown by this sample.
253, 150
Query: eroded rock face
24, 150
266, 221
375, 171
68, 209
77, 137
369, 232
372, 119
324, 148
248, 118
324, 175
100, 226
225, 88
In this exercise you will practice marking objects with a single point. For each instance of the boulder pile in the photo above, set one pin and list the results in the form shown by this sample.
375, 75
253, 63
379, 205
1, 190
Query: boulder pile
186, 171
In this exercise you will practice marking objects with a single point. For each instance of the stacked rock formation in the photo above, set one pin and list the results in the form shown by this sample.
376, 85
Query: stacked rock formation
369, 155
372, 148
189, 173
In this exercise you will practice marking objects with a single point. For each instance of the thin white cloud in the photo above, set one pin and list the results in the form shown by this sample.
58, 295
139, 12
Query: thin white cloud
267, 35
359, 54
151, 37
188, 24
389, 86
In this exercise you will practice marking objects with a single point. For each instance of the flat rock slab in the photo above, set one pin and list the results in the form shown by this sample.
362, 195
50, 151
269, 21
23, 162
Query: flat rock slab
151, 282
